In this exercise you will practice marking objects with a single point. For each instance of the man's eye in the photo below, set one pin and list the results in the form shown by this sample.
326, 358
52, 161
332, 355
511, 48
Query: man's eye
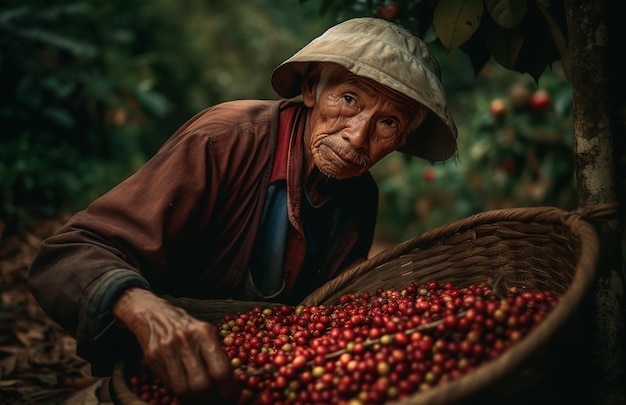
349, 99
390, 123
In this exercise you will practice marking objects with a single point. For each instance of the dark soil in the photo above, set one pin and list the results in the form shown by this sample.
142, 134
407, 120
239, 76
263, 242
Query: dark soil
38, 363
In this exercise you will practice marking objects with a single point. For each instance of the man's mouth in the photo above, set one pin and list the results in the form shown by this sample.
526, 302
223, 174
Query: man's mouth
338, 159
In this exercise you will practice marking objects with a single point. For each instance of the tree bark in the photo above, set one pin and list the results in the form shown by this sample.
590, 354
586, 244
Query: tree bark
596, 34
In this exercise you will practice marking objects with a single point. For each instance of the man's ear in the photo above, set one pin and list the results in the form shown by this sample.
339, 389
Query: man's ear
309, 84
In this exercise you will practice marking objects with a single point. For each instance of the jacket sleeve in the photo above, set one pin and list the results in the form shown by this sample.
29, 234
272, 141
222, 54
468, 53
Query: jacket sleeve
179, 226
99, 339
121, 240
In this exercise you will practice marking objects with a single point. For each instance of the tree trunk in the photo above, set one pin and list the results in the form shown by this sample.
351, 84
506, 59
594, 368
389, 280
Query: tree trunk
596, 35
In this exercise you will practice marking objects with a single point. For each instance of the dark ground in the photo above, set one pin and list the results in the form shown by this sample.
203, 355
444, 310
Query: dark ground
38, 364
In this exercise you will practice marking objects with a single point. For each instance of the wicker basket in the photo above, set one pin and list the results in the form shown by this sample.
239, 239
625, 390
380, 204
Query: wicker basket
538, 248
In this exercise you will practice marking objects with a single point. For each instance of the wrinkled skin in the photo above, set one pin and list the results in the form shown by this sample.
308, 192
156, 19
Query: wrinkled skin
353, 124
183, 352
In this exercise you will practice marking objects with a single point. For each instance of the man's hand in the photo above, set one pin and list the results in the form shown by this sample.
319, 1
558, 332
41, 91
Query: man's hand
183, 352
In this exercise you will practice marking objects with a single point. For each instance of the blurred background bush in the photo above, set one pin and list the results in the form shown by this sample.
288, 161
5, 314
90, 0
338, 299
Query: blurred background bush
89, 91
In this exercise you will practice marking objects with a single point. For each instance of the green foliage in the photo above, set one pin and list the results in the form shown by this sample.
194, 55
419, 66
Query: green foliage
38, 180
456, 21
56, 106
515, 156
90, 90
523, 36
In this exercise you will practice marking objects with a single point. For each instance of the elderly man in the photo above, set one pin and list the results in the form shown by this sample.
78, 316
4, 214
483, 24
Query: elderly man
251, 200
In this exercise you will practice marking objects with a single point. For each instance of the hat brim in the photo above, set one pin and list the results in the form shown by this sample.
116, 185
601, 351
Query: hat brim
434, 140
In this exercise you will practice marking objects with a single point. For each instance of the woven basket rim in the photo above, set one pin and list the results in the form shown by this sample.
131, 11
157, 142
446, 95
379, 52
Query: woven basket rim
546, 214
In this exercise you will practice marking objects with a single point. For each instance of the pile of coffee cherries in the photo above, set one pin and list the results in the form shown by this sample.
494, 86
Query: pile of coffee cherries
370, 348
149, 388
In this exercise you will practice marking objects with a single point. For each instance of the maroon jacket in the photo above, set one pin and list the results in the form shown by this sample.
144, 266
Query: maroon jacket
185, 223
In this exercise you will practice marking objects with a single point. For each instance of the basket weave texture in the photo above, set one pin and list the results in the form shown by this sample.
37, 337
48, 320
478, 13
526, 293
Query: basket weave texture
542, 248
538, 248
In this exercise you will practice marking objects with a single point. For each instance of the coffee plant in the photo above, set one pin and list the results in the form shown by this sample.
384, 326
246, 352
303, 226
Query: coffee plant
514, 150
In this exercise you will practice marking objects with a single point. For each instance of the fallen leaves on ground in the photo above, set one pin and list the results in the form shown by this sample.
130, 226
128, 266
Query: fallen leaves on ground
38, 361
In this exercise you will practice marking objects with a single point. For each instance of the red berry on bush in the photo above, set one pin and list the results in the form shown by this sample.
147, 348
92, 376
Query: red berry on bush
508, 165
387, 11
497, 108
429, 174
540, 101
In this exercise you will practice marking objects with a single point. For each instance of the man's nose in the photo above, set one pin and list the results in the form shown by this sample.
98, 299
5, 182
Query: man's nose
359, 131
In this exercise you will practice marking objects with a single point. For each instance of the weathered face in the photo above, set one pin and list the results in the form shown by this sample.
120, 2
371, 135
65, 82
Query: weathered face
354, 122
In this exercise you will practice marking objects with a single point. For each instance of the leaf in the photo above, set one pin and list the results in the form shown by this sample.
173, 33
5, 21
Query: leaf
7, 16
476, 47
456, 21
326, 5
47, 355
506, 13
7, 366
152, 101
73, 46
58, 13
4, 384
505, 45
59, 116
27, 337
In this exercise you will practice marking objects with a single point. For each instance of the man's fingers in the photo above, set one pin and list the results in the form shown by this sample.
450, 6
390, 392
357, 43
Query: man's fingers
190, 361
196, 370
